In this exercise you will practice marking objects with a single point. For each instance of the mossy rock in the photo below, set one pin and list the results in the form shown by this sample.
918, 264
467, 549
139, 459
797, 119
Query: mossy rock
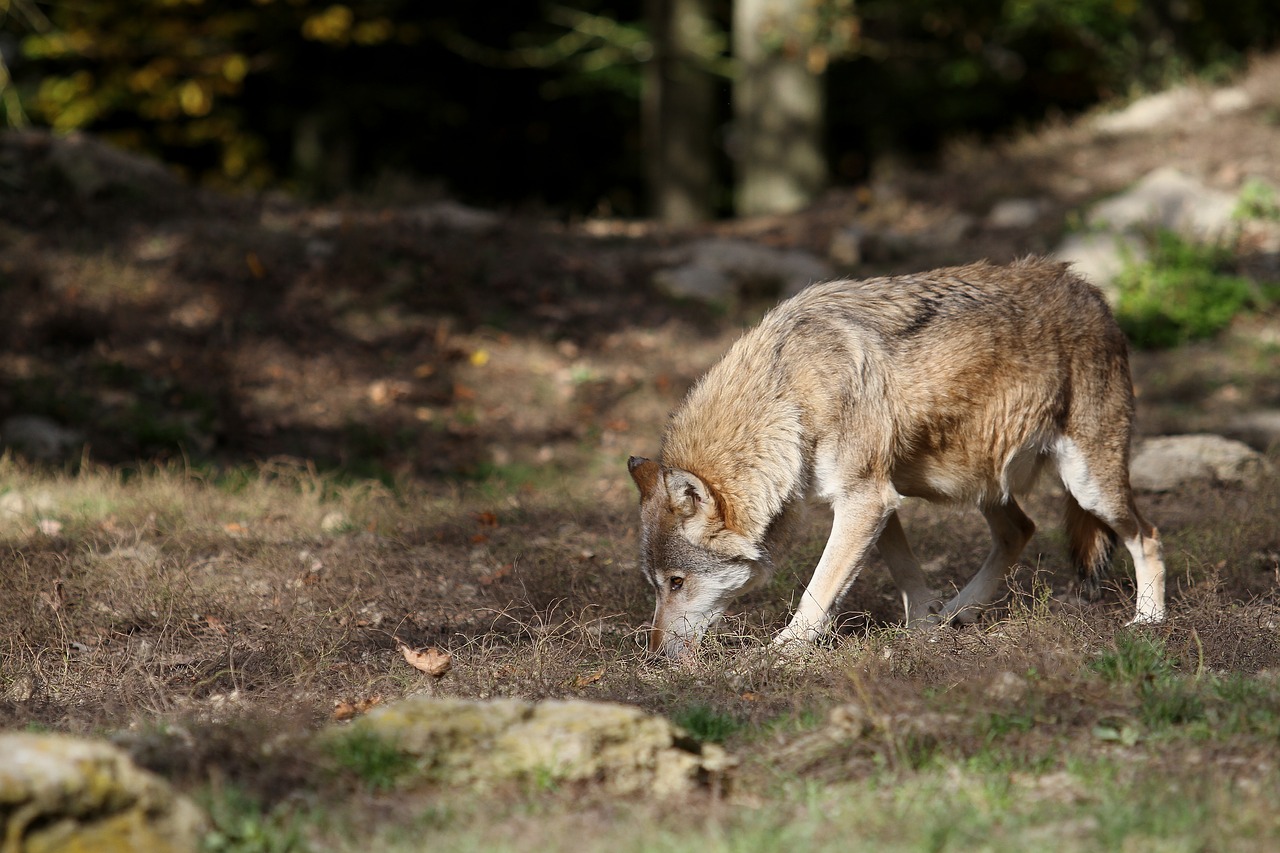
62, 794
623, 748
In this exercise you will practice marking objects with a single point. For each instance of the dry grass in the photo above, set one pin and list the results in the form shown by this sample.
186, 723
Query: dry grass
213, 621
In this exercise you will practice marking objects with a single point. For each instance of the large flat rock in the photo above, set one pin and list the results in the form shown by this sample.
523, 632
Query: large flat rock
1168, 462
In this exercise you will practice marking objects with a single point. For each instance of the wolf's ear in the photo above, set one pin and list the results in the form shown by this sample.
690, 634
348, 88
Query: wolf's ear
689, 495
645, 472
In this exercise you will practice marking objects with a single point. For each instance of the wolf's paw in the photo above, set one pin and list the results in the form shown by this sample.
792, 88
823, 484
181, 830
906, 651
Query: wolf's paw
1146, 619
925, 612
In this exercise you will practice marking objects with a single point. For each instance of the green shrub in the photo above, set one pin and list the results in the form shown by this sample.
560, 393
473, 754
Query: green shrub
1258, 200
1185, 292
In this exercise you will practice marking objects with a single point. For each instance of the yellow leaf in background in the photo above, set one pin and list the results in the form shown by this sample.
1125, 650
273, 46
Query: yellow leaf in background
235, 67
480, 357
333, 25
195, 98
373, 32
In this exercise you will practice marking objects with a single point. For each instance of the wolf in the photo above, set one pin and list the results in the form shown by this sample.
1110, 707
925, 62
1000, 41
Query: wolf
957, 385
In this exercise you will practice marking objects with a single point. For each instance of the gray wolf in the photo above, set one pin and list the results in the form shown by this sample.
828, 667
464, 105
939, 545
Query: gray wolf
957, 385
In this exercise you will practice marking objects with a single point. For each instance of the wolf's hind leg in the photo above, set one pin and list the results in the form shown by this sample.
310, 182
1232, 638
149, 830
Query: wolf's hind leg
1010, 532
919, 600
1099, 482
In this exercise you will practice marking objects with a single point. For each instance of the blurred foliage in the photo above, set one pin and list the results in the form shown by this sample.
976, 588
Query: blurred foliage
510, 100
1183, 292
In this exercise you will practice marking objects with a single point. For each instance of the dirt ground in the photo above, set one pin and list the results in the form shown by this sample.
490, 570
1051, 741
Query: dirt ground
312, 432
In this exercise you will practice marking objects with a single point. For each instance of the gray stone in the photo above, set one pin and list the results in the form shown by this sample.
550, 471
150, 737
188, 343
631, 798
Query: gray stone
848, 245
1150, 112
1015, 213
719, 269
457, 217
38, 436
1170, 462
1259, 429
1167, 198
92, 166
462, 741
1177, 106
60, 793
1101, 257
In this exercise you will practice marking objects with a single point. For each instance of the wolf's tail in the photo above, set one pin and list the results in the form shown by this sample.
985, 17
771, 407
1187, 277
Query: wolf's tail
1091, 544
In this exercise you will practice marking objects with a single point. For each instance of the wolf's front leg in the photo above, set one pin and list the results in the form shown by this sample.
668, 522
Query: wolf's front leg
858, 519
919, 600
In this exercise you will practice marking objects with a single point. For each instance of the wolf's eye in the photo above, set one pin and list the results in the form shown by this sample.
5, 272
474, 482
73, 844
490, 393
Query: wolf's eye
676, 583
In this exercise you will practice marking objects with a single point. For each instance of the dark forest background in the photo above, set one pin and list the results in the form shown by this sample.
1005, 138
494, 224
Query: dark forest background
543, 104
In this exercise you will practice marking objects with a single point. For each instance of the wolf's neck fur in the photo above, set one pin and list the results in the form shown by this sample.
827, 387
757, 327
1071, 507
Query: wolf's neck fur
736, 434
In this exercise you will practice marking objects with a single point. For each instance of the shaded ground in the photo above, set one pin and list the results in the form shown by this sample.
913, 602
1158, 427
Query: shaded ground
314, 431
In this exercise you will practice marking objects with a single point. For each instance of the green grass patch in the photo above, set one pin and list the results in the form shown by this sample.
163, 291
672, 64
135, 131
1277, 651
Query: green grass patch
374, 760
706, 723
1184, 292
1257, 200
240, 824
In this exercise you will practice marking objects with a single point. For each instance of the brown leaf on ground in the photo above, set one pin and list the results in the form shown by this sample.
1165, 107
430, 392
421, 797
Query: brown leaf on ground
345, 710
497, 575
588, 678
432, 661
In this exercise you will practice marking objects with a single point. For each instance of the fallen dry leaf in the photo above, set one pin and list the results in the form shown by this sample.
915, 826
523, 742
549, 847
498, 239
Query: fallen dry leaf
497, 575
590, 678
344, 710
216, 625
432, 661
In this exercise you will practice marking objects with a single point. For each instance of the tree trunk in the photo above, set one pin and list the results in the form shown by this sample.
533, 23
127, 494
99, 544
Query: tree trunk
679, 111
778, 109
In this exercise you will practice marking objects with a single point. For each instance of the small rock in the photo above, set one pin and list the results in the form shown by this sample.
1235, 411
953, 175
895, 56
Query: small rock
38, 437
720, 269
1230, 100
1150, 112
335, 521
848, 245
1100, 257
14, 504
455, 216
1008, 687
1166, 463
1259, 429
64, 793
92, 166
1015, 213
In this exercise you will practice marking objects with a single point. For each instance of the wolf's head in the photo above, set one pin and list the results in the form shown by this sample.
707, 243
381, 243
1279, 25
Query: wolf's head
690, 554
